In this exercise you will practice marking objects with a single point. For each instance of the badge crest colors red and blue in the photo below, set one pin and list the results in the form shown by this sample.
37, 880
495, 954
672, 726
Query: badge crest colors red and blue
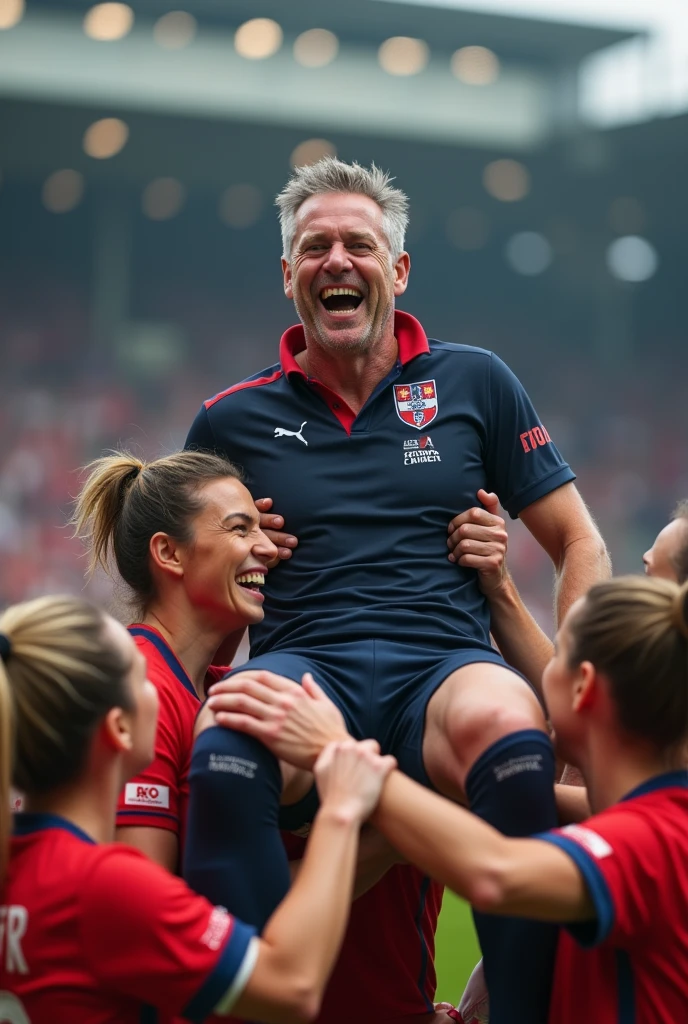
416, 404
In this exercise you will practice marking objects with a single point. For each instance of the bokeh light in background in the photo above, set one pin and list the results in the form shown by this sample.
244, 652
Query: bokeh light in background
11, 13
468, 228
627, 216
403, 55
475, 65
315, 48
108, 22
241, 206
632, 259
528, 253
105, 138
163, 198
62, 191
258, 38
310, 151
507, 180
175, 30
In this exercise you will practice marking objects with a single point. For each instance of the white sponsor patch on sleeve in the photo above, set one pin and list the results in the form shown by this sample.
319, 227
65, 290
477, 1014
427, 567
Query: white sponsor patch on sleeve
589, 840
219, 924
136, 794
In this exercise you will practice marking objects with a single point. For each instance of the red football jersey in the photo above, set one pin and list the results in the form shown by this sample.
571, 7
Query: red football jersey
631, 963
159, 796
93, 934
386, 969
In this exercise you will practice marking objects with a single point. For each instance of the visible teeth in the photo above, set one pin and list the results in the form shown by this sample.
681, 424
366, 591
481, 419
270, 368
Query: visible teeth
251, 577
329, 292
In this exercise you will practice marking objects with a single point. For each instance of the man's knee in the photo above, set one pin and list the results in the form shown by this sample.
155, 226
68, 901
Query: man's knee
475, 707
473, 728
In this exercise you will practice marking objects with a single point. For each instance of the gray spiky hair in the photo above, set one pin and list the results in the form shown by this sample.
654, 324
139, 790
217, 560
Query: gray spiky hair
333, 175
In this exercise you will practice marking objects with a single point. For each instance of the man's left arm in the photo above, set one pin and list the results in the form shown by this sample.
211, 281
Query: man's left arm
535, 484
564, 528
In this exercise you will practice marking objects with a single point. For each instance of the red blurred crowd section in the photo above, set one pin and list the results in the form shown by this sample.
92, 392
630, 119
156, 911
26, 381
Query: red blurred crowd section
621, 425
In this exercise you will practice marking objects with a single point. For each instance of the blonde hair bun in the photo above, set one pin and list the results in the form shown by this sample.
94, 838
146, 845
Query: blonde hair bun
679, 610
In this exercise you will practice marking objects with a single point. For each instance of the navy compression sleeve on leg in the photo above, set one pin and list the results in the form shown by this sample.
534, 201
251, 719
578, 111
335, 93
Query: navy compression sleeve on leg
234, 853
511, 786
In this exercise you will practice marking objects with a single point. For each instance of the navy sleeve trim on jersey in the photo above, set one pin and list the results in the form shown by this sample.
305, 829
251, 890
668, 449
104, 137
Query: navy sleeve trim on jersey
223, 975
587, 933
557, 478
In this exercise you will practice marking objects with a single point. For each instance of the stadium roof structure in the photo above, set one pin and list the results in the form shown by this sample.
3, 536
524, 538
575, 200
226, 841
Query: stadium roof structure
47, 57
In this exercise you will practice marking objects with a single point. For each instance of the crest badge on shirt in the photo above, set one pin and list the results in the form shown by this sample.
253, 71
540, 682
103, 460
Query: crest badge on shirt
416, 404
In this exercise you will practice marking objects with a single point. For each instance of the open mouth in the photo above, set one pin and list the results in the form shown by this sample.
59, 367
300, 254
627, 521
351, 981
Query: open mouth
341, 300
251, 581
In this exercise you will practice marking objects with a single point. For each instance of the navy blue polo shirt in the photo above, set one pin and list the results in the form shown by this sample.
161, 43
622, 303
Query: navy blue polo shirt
370, 496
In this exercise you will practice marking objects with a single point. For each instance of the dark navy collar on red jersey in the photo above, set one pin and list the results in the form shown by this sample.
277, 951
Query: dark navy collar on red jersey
162, 647
409, 333
669, 780
25, 823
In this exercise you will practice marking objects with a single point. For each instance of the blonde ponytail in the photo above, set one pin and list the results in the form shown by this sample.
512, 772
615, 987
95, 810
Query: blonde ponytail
100, 503
679, 610
6, 757
62, 675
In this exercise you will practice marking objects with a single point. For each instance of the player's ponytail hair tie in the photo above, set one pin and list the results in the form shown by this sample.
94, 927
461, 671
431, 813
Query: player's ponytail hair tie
5, 647
137, 467
679, 611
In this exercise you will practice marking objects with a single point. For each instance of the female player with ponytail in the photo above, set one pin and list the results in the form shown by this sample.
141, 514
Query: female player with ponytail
617, 695
92, 931
183, 534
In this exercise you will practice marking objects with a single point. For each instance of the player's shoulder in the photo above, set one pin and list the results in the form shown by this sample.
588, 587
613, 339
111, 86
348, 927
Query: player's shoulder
270, 378
163, 667
654, 817
113, 868
460, 351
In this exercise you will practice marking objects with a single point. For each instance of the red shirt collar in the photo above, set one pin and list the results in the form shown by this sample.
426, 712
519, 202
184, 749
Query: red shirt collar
407, 330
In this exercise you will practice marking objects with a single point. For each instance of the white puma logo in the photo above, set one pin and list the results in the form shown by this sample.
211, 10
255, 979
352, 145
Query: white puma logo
283, 432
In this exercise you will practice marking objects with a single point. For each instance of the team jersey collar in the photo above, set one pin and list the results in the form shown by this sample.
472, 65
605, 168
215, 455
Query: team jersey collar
26, 823
669, 780
409, 333
163, 648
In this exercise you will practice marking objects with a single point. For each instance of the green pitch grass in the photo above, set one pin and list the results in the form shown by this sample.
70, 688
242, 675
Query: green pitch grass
457, 950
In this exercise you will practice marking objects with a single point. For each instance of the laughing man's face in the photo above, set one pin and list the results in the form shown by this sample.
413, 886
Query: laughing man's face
341, 274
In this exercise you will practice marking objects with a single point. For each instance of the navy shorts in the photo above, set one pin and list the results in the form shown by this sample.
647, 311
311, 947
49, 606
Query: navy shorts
381, 687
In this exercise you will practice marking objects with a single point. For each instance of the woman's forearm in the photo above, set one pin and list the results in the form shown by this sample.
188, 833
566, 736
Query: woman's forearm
519, 638
523, 877
301, 941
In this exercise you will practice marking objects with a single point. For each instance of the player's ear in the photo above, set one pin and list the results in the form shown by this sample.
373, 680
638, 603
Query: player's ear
286, 273
165, 554
402, 269
585, 687
116, 730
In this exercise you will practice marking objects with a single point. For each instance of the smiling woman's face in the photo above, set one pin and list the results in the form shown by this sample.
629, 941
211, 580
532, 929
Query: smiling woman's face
225, 560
